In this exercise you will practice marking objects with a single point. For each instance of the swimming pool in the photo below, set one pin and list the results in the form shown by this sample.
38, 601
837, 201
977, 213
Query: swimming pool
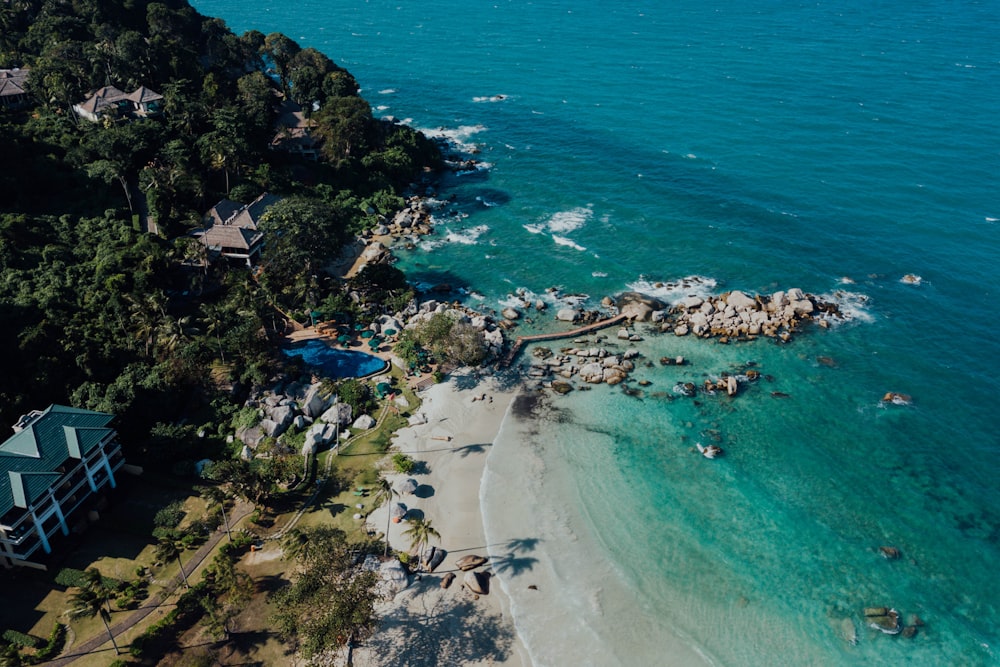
334, 363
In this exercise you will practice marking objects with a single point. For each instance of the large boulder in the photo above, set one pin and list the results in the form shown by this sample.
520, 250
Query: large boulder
740, 301
283, 414
364, 422
639, 307
251, 436
477, 582
592, 373
272, 428
314, 404
338, 413
567, 315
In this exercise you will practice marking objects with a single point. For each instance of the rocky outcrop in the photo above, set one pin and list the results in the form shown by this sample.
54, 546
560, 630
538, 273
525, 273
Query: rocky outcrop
736, 315
638, 307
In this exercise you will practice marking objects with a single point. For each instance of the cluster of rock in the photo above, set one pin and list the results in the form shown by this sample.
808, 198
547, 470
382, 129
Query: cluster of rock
887, 620
736, 315
416, 313
414, 218
295, 407
592, 365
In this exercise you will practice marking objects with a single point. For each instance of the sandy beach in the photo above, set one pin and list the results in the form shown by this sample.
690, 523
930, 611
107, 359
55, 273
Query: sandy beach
426, 624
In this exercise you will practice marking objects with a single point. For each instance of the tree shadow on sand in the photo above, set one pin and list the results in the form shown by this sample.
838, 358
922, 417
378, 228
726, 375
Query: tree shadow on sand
513, 563
447, 630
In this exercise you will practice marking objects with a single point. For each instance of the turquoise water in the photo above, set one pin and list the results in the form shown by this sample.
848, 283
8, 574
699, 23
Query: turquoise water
336, 363
761, 146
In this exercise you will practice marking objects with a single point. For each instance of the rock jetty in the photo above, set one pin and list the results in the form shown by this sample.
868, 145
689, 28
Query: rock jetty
738, 316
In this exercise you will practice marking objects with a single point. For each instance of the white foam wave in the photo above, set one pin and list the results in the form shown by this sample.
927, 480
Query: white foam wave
459, 137
381, 107
599, 274
562, 240
486, 202
852, 306
674, 290
564, 222
387, 91
491, 98
534, 229
463, 237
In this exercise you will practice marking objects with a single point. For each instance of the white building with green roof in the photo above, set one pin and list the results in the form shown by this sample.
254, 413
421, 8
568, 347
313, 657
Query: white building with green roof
52, 472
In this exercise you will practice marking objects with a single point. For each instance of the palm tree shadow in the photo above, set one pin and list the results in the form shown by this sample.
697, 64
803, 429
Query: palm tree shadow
514, 565
471, 449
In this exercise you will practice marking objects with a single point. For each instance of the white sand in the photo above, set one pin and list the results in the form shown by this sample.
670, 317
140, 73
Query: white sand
425, 624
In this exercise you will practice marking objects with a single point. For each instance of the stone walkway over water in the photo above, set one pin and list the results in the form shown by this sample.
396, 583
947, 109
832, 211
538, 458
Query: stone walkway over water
522, 340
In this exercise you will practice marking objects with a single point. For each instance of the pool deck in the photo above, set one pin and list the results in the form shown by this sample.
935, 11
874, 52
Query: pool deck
329, 333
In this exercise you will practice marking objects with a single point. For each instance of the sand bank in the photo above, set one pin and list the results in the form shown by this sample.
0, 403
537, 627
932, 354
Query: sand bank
425, 624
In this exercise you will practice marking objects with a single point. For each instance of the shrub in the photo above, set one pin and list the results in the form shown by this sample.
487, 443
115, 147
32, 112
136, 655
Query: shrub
55, 644
21, 639
170, 516
403, 463
71, 577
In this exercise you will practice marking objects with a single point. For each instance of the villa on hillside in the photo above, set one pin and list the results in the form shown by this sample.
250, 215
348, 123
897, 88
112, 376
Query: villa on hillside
111, 102
231, 229
54, 471
12, 90
293, 132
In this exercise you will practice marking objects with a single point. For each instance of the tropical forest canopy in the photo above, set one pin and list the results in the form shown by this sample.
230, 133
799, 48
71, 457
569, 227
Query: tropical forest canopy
100, 312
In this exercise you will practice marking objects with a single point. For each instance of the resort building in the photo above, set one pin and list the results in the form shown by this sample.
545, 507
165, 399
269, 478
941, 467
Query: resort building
12, 87
231, 229
54, 471
294, 132
110, 102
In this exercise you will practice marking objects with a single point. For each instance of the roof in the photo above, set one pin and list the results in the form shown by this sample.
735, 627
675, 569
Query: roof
29, 459
12, 81
110, 95
230, 213
102, 98
143, 95
230, 236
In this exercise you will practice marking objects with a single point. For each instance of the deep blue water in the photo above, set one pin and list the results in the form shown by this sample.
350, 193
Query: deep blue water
335, 363
830, 146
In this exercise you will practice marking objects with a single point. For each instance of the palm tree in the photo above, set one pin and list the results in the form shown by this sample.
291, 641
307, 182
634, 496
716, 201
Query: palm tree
385, 493
85, 603
94, 581
170, 548
420, 532
215, 495
296, 544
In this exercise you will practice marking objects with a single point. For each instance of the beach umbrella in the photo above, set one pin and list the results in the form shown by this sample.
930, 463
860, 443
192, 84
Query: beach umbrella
343, 338
407, 487
383, 388
389, 332
367, 333
398, 511
358, 327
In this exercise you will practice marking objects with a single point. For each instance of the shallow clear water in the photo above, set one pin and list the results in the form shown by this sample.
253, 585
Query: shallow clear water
761, 146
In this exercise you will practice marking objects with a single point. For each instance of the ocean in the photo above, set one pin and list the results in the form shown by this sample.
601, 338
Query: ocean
834, 147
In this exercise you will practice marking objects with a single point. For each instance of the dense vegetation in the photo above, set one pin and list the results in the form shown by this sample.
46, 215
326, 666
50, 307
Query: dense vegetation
100, 313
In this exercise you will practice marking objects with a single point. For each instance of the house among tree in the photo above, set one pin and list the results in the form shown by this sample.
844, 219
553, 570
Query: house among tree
12, 87
52, 474
111, 102
231, 229
293, 132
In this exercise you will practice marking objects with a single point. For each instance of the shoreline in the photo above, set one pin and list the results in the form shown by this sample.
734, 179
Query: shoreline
448, 626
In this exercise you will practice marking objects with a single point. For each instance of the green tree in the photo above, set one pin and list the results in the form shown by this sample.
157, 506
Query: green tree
217, 496
420, 533
94, 581
383, 494
170, 548
331, 601
346, 126
85, 603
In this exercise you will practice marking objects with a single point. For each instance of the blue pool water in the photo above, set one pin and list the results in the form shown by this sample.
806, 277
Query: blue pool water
334, 363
